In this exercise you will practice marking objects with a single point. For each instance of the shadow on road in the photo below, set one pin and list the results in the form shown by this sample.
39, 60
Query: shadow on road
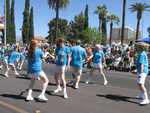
118, 98
23, 77
52, 84
2, 75
69, 84
51, 93
22, 97
26, 90
13, 96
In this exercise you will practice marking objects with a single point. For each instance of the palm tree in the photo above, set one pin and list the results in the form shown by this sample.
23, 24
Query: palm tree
57, 5
139, 8
123, 21
112, 19
102, 13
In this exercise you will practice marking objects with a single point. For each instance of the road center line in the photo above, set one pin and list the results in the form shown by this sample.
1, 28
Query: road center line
14, 108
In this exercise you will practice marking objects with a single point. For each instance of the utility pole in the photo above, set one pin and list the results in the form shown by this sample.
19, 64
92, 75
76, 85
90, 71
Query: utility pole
5, 23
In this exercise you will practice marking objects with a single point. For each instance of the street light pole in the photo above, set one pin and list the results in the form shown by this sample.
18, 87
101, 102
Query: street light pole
5, 23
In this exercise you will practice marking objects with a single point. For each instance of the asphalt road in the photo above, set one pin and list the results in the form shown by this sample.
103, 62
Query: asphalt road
6, 110
117, 97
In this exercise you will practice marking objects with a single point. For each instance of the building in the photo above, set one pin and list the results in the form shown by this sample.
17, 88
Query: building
2, 29
129, 34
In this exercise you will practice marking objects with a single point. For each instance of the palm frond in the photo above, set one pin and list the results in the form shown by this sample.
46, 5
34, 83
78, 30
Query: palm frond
62, 3
139, 7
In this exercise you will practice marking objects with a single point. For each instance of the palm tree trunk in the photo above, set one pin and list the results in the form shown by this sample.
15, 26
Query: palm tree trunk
110, 38
104, 31
57, 18
123, 21
137, 28
100, 24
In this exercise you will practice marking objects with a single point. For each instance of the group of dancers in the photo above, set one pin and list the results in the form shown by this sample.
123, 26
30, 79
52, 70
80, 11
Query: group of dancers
70, 58
12, 59
66, 59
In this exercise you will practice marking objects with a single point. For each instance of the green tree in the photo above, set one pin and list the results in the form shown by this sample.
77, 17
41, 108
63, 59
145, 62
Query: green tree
139, 8
148, 30
77, 26
86, 17
91, 35
123, 21
113, 19
8, 22
102, 13
25, 26
12, 24
57, 5
63, 29
31, 28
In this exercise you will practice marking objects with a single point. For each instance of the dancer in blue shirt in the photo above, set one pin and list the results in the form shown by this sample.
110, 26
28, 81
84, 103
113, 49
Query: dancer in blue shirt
12, 61
98, 58
78, 56
35, 56
142, 71
62, 59
22, 58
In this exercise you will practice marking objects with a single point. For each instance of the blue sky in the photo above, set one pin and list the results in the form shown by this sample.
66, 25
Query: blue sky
1, 7
42, 13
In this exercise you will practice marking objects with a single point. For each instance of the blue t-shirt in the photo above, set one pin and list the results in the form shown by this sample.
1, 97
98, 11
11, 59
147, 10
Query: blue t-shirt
22, 56
142, 59
78, 55
35, 62
69, 51
14, 57
97, 57
61, 54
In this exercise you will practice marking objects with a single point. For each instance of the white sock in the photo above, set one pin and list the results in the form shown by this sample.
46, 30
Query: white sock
30, 92
145, 96
6, 73
65, 92
58, 87
44, 89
